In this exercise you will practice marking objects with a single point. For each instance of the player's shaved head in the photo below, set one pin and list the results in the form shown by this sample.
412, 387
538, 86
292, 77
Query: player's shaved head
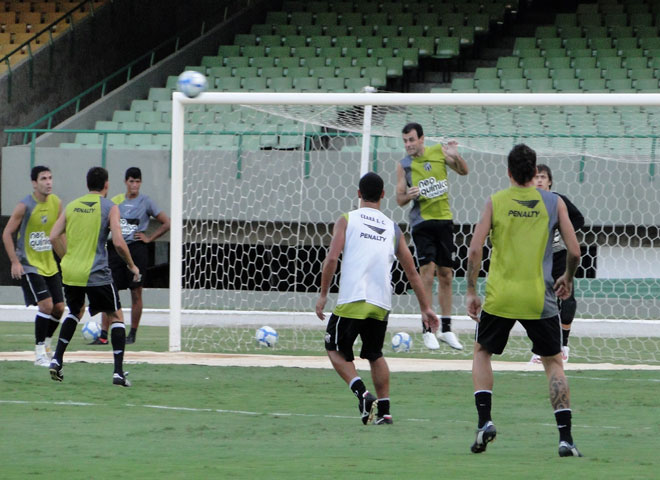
371, 187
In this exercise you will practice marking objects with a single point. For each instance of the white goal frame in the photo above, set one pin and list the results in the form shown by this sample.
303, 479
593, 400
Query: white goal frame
179, 101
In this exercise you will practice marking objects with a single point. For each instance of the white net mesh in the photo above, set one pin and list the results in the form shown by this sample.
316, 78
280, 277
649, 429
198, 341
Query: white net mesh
264, 184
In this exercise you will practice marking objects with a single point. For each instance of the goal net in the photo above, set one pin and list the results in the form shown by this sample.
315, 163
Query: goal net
258, 180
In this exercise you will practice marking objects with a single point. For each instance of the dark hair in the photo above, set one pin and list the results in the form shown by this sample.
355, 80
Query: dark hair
96, 178
371, 187
413, 126
541, 167
34, 174
133, 172
522, 163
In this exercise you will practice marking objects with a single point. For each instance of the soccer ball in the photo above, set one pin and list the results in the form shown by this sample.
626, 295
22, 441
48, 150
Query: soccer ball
91, 331
401, 342
191, 83
266, 336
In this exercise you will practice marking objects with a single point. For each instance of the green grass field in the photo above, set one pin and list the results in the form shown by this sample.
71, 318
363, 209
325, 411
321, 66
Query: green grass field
229, 422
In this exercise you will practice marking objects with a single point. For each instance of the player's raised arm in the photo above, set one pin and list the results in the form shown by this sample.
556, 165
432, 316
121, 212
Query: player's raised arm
429, 317
453, 159
8, 239
475, 254
119, 242
330, 263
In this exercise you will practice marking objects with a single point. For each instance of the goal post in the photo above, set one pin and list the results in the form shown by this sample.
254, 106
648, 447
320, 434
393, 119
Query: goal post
251, 226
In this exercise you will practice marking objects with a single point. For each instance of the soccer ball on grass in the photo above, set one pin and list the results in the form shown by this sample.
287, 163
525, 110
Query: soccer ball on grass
191, 83
401, 342
91, 331
266, 336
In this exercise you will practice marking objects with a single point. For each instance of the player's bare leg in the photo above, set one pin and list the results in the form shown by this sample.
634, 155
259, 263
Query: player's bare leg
445, 298
427, 272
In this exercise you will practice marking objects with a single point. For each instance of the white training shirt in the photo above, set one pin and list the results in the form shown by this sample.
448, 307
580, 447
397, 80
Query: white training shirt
366, 267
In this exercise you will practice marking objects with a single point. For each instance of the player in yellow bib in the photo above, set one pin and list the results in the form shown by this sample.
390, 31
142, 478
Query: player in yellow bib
87, 221
422, 179
32, 260
521, 222
368, 241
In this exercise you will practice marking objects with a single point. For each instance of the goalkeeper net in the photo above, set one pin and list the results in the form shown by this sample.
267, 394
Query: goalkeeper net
259, 180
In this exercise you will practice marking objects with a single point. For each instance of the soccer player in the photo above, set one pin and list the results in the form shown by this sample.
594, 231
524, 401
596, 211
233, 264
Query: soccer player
32, 260
521, 221
422, 178
135, 210
567, 307
369, 241
87, 221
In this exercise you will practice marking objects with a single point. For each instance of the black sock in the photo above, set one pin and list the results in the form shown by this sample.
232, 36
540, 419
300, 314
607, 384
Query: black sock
564, 337
357, 387
104, 334
483, 401
67, 330
446, 324
563, 418
383, 407
118, 338
52, 326
133, 332
40, 327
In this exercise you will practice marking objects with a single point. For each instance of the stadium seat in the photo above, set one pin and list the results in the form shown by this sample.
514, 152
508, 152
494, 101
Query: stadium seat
514, 85
485, 72
447, 47
532, 62
541, 85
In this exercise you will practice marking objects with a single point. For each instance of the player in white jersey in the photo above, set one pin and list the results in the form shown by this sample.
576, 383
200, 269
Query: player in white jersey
368, 242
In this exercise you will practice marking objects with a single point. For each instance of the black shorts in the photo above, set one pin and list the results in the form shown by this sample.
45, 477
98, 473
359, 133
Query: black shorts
493, 333
102, 298
342, 332
121, 275
37, 288
434, 242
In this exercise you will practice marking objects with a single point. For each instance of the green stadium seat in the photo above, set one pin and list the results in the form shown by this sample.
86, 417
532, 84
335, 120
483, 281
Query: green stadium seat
376, 75
532, 62
447, 47
511, 73
488, 85
608, 63
88, 138
142, 105
528, 52
397, 42
530, 73
294, 41
516, 85
635, 62
348, 72
614, 73
367, 62
244, 39
565, 19
620, 31
311, 30
386, 30
646, 31
329, 52
558, 62
589, 19
437, 31
322, 72
196, 68
340, 62
485, 72
355, 52
376, 19
541, 85
620, 85
507, 62
306, 83
271, 72
412, 31
595, 31
106, 125
545, 31
160, 94
139, 139
235, 62
351, 18
326, 19
144, 117
210, 61
425, 46
567, 85
314, 62
278, 52
288, 62
570, 31
462, 84
333, 84
639, 73
335, 31
346, 41
646, 85
301, 18
640, 20
549, 42
284, 30
587, 73
410, 57
584, 62
634, 52
580, 52
597, 43
245, 72
593, 85
554, 53
250, 52
394, 66
260, 62
270, 40
123, 116
371, 42
228, 84
260, 30
465, 34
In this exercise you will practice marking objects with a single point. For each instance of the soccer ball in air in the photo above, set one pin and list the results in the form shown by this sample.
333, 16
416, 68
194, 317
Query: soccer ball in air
91, 331
401, 342
266, 336
191, 83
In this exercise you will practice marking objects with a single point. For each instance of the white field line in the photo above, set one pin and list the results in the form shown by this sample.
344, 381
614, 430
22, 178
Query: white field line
396, 364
